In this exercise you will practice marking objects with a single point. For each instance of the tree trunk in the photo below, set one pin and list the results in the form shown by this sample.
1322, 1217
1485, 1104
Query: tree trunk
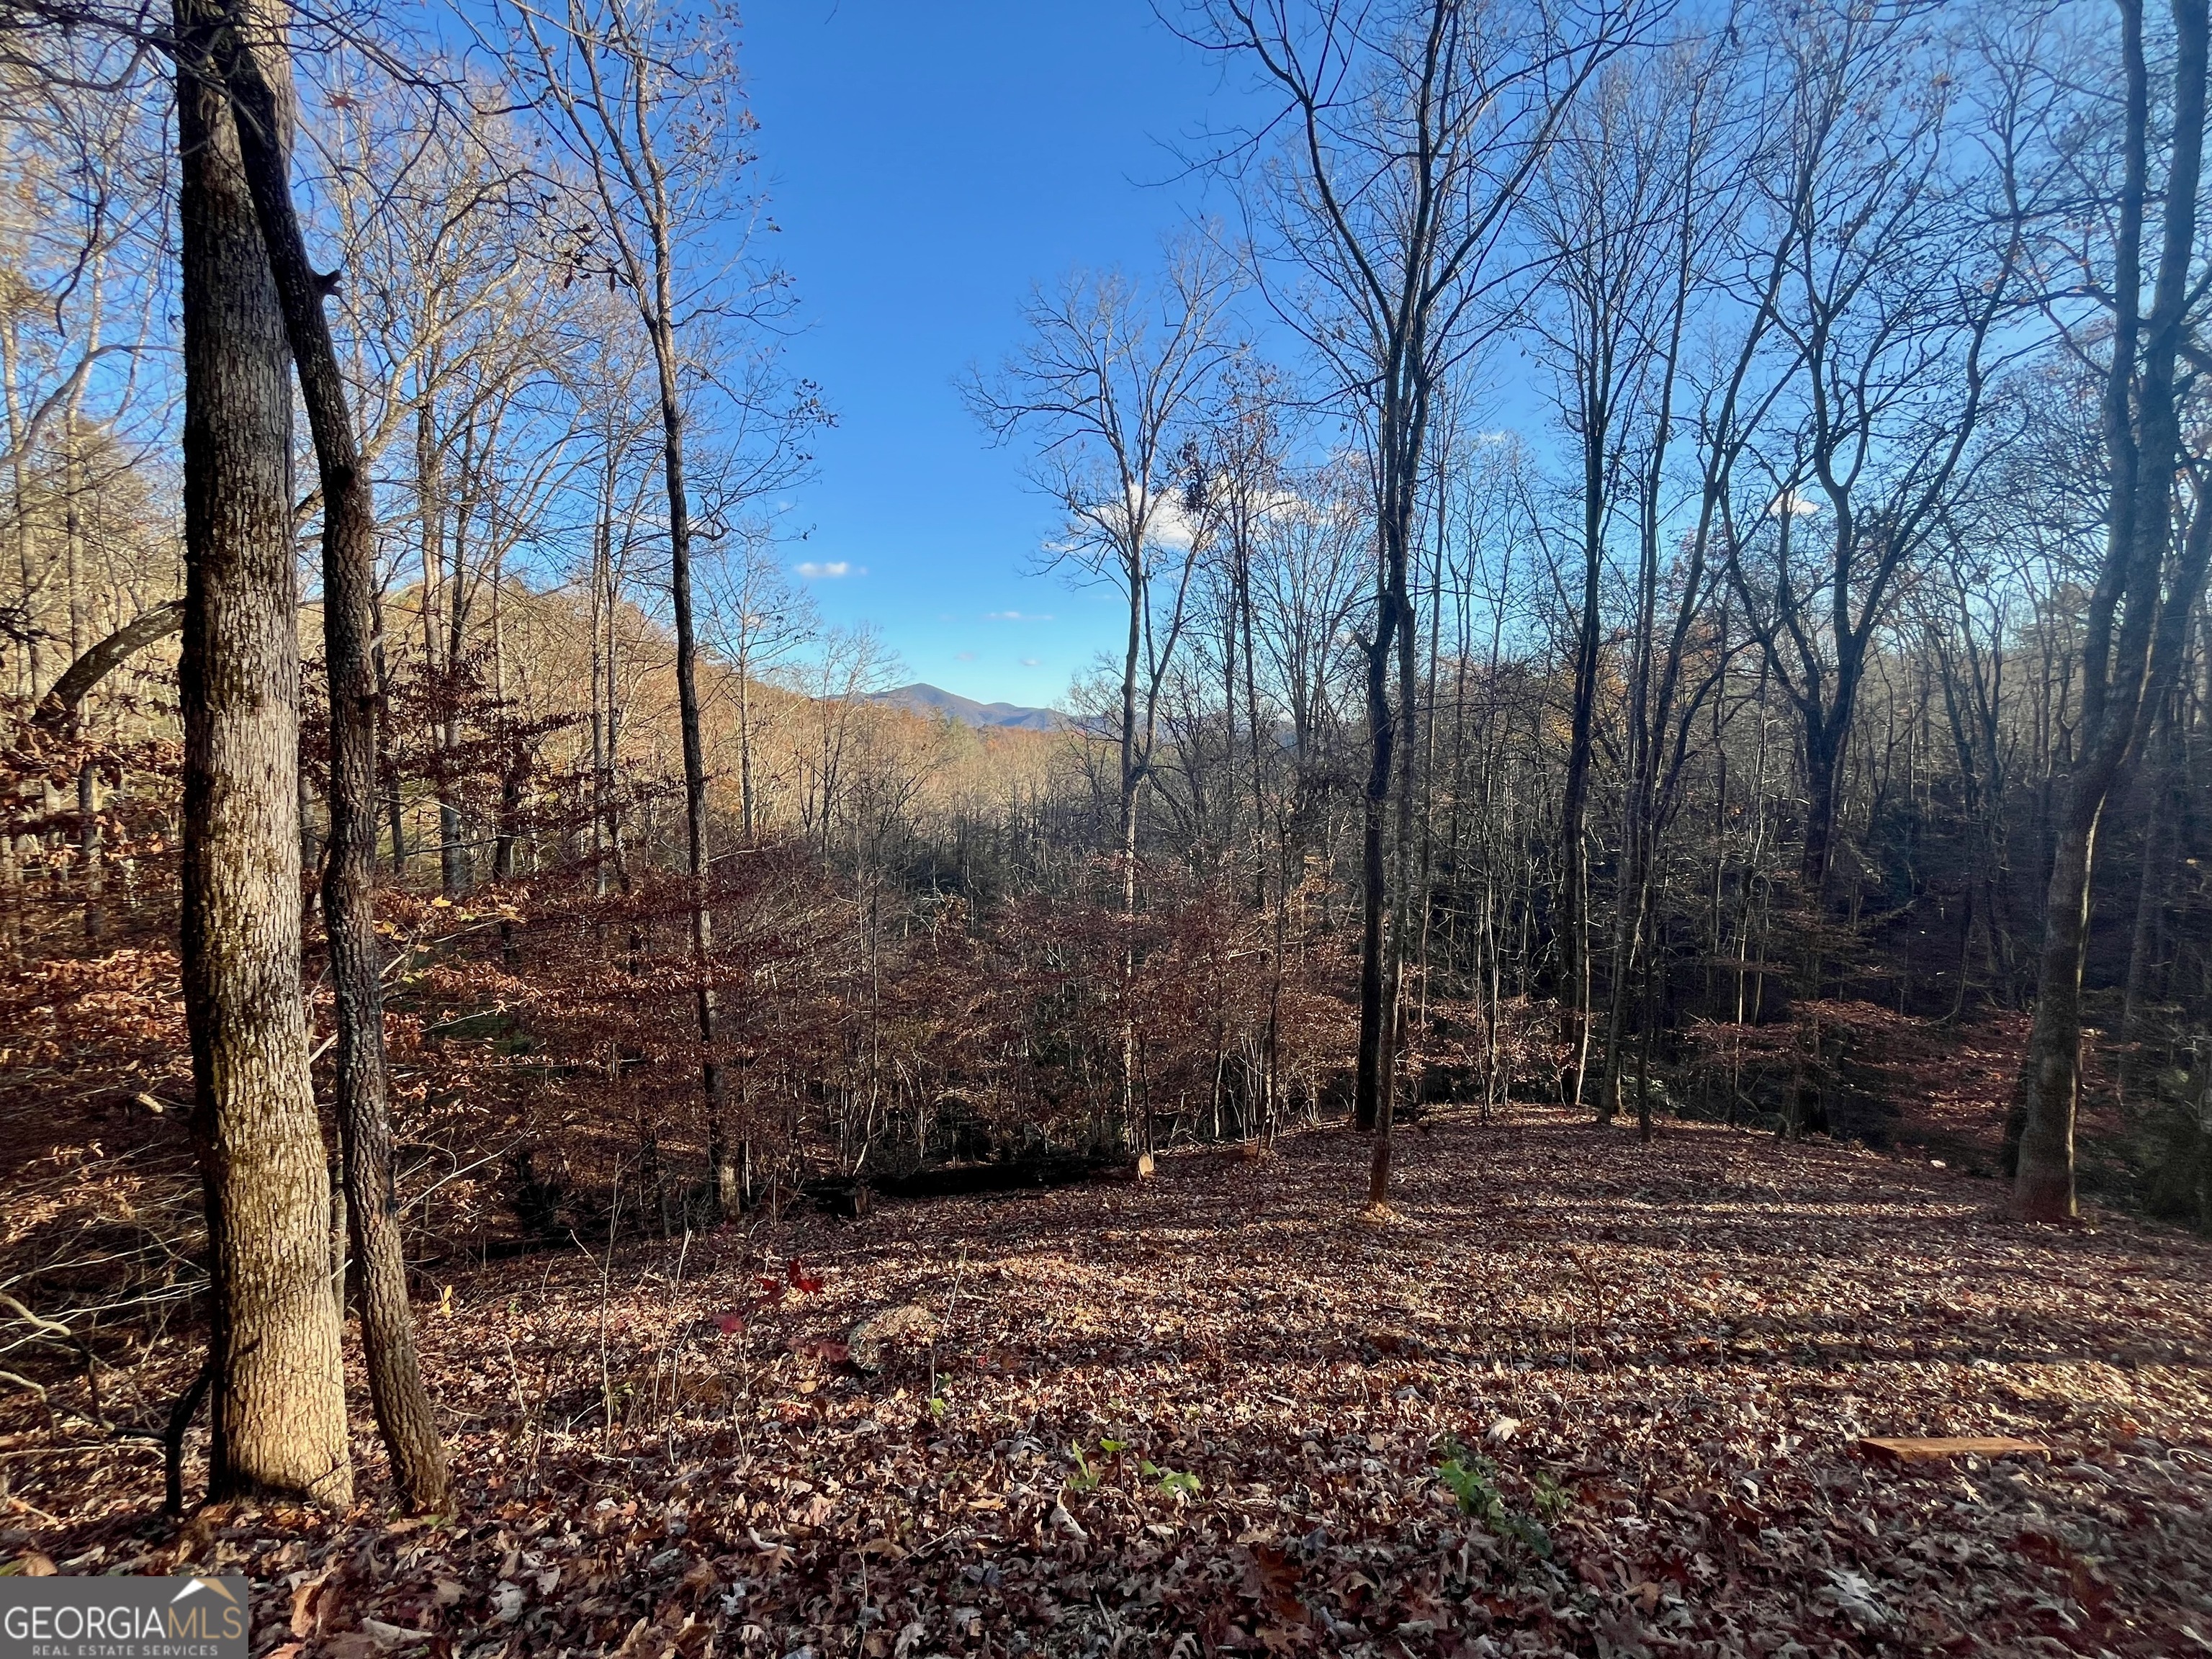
395, 809
259, 75
2043, 1182
1822, 740
603, 670
2161, 837
88, 780
1370, 1100
2138, 615
456, 861
279, 1390
1125, 845
1381, 944
1574, 875
721, 1145
429, 513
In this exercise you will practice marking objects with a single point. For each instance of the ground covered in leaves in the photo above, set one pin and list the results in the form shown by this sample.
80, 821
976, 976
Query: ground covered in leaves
1583, 1397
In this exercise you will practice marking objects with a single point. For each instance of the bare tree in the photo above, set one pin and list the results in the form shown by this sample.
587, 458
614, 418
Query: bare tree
1874, 198
1413, 131
1633, 208
1621, 216
647, 108
1113, 383
757, 618
278, 1394
2158, 531
254, 58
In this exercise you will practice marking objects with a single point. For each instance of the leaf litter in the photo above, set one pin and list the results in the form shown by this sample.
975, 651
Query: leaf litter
1585, 1397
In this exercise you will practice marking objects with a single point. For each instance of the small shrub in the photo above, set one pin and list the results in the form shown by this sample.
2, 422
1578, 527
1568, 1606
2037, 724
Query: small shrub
1471, 1479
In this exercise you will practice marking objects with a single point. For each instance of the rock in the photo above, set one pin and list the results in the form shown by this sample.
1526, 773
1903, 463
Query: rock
1067, 1524
909, 1325
393, 1636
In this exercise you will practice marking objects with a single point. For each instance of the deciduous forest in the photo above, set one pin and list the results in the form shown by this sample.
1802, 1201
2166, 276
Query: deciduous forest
1590, 1032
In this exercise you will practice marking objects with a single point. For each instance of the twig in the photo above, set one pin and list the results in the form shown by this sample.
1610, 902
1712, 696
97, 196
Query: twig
951, 1306
674, 1350
607, 1277
38, 1320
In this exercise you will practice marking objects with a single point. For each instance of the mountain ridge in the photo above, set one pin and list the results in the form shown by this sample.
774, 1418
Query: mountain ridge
923, 698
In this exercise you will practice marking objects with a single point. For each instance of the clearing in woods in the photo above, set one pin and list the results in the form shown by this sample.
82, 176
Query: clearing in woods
1583, 1397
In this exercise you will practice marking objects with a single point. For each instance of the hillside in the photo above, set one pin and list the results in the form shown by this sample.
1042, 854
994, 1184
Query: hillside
1584, 1398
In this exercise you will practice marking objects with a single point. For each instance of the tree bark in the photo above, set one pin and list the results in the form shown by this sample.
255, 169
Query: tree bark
721, 1142
58, 707
260, 76
1574, 876
1371, 1099
1403, 434
279, 1392
2161, 838
2138, 614
1125, 838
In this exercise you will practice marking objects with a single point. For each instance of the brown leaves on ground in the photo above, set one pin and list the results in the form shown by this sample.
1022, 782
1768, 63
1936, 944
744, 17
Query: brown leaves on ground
1584, 1397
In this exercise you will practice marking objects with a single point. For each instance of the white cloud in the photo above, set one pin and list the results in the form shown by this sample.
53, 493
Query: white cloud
1017, 616
963, 656
1171, 526
1032, 662
830, 571
1161, 511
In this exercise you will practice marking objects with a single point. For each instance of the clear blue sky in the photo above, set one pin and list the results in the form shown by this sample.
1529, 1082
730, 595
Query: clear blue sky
928, 163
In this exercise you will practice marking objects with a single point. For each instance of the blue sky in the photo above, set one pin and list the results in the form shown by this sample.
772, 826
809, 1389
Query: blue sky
926, 164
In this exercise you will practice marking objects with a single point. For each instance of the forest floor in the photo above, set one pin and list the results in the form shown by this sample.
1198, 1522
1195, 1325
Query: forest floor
1584, 1396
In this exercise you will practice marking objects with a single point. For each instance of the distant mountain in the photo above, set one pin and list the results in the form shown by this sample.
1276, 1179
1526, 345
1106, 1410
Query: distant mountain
919, 699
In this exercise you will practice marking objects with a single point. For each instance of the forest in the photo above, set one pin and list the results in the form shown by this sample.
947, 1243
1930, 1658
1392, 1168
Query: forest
1588, 1031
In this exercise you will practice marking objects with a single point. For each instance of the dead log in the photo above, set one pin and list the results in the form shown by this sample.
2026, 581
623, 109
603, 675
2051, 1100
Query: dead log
1936, 1449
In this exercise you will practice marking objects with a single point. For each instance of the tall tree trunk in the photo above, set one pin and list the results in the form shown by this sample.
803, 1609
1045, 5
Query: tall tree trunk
2162, 836
395, 810
2138, 615
721, 1142
259, 77
746, 731
73, 491
1402, 437
1574, 872
1823, 739
1408, 889
429, 513
30, 661
1370, 1100
279, 1390
602, 677
1125, 845
456, 864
